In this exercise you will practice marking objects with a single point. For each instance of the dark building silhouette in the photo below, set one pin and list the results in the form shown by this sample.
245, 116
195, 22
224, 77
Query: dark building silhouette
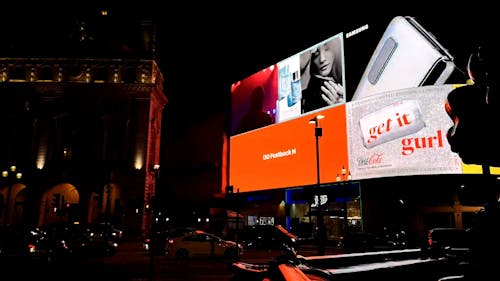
82, 115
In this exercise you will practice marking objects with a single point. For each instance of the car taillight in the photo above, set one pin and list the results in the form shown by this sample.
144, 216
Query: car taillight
31, 248
170, 241
147, 240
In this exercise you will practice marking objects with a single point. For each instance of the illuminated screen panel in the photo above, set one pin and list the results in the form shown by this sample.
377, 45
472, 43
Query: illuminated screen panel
406, 55
273, 157
302, 76
401, 133
291, 88
396, 75
253, 101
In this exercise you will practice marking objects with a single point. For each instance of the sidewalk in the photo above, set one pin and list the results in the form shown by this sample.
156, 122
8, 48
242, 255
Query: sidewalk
313, 250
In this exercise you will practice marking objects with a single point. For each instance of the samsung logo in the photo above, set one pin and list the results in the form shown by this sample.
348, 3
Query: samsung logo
356, 31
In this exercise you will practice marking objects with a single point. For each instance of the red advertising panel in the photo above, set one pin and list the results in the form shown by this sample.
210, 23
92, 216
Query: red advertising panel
254, 101
284, 154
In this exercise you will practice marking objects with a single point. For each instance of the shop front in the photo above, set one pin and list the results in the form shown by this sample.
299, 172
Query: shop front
339, 204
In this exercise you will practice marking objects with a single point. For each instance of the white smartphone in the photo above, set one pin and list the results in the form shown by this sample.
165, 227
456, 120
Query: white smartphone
406, 56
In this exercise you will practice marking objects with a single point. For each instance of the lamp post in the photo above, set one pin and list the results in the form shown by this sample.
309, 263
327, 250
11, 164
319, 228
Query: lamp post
156, 171
318, 132
107, 210
10, 175
345, 195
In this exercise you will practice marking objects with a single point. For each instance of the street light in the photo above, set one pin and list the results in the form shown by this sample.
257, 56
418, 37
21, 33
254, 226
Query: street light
318, 132
156, 171
11, 175
346, 192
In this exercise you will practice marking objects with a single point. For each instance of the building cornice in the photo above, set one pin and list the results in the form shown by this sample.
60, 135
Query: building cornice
56, 74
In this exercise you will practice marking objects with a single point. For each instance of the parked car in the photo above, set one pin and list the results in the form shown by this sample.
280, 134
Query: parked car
157, 242
202, 244
65, 240
267, 237
104, 229
354, 242
20, 242
447, 242
99, 239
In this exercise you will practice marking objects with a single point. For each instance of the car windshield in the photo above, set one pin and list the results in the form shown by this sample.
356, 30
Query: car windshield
213, 237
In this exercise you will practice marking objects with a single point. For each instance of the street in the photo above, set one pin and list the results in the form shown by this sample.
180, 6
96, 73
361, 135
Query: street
132, 263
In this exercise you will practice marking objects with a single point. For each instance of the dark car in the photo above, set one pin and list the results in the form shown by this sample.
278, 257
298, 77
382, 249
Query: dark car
99, 239
267, 237
71, 240
106, 230
447, 241
20, 242
354, 242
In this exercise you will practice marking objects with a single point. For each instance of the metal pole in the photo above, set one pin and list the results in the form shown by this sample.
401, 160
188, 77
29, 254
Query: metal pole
321, 228
45, 211
7, 205
107, 211
151, 228
346, 214
486, 169
151, 255
237, 222
317, 135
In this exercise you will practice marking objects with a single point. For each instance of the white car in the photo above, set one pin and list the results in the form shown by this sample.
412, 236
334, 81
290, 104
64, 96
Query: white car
202, 244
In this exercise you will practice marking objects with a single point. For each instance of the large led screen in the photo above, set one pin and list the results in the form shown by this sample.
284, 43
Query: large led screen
401, 133
284, 154
391, 93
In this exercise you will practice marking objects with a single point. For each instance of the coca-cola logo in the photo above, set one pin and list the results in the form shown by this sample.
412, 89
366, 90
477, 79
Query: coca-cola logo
376, 158
391, 122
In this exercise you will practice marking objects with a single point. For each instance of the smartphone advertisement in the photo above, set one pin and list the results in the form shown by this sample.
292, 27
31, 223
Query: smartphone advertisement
385, 84
406, 51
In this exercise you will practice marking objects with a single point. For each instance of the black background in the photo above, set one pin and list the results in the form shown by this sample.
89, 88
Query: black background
203, 48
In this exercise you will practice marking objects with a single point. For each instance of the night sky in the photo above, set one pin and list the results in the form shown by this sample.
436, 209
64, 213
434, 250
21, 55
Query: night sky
200, 52
201, 48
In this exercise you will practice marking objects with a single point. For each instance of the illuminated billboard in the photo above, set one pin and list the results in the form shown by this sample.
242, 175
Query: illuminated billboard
284, 154
401, 133
384, 89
